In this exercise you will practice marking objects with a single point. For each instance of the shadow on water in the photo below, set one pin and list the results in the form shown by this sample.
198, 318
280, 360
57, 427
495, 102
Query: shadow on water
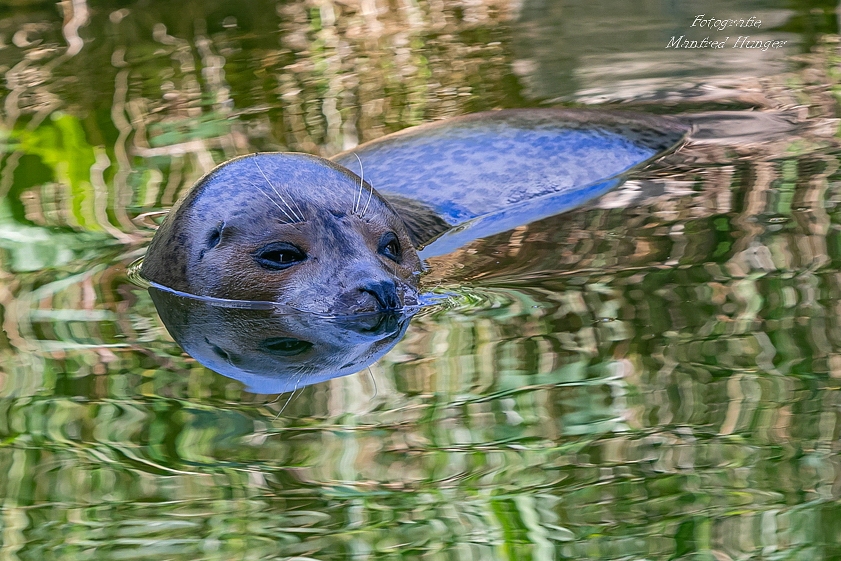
654, 375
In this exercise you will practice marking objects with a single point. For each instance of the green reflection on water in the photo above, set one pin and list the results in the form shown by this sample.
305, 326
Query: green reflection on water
655, 380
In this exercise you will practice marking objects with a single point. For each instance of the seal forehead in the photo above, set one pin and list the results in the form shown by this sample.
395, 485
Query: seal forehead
286, 181
257, 190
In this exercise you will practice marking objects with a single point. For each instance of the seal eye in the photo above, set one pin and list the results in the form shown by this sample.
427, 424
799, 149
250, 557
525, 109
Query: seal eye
279, 255
390, 247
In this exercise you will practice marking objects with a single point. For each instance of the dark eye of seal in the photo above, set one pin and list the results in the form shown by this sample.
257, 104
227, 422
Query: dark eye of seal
390, 246
279, 255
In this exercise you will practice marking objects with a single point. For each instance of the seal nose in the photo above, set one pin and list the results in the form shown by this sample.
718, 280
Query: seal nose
385, 293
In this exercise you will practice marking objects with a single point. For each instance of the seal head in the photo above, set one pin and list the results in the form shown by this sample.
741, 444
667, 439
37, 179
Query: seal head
287, 228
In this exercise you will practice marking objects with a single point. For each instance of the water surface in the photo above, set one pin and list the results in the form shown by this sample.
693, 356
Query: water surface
653, 376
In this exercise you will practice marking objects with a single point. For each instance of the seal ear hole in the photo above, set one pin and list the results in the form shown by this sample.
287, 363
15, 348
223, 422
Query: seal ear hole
215, 236
389, 246
277, 256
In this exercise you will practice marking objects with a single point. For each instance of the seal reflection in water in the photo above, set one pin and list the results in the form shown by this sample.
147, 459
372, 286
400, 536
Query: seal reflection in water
287, 228
272, 352
307, 233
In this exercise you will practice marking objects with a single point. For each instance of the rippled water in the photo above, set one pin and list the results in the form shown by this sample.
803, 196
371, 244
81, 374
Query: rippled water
653, 376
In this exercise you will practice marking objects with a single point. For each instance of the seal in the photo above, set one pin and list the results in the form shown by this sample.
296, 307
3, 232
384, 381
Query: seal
287, 228
310, 234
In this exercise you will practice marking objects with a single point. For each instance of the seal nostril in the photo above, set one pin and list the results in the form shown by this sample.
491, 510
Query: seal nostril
385, 292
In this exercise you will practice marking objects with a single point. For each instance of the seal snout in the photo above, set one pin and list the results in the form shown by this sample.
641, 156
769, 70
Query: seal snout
384, 292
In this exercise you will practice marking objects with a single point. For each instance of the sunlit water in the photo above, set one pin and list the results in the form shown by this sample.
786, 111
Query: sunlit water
653, 376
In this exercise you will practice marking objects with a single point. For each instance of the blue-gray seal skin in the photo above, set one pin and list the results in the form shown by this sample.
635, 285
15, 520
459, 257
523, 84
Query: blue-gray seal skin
486, 173
288, 228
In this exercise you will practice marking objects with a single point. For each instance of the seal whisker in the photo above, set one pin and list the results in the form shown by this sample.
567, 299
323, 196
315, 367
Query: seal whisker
297, 208
298, 212
289, 218
358, 197
302, 370
282, 409
298, 218
370, 194
373, 381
